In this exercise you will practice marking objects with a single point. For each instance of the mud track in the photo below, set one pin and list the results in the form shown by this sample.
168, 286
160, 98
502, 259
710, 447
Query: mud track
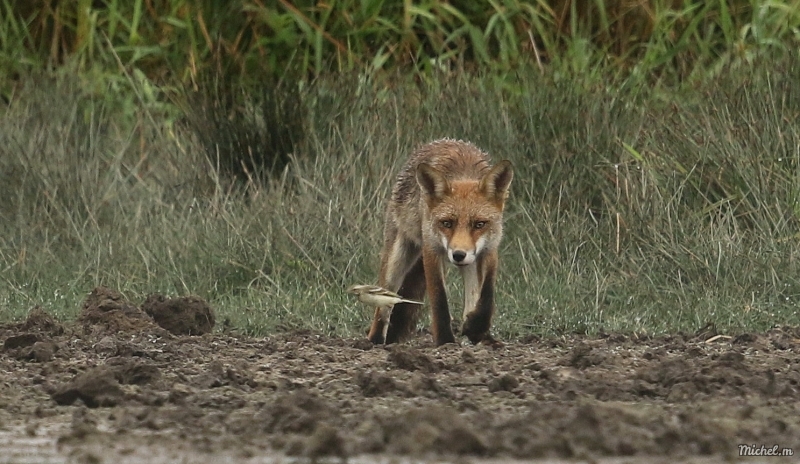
114, 386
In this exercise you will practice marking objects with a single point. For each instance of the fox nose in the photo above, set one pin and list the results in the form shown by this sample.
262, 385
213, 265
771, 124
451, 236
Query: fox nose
459, 256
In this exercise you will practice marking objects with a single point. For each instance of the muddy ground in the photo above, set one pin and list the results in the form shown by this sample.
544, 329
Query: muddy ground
117, 386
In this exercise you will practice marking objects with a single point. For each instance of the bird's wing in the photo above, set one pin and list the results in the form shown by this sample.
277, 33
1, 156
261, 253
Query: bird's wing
380, 291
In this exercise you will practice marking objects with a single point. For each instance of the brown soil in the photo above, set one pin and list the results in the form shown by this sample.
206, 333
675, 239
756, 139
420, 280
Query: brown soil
180, 316
116, 384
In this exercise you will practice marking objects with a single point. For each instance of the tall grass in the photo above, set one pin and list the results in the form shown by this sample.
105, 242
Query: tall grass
632, 209
177, 40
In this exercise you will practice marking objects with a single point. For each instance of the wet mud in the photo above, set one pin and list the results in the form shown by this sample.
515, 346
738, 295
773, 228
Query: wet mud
131, 384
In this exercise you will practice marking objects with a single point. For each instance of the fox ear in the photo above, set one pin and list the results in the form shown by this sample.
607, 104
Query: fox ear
432, 182
495, 183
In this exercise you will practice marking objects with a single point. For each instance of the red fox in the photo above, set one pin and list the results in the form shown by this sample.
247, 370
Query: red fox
446, 206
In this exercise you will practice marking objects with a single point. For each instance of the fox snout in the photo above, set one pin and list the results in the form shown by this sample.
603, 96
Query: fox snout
461, 257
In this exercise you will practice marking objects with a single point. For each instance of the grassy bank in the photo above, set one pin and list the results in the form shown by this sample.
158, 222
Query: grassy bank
171, 41
632, 209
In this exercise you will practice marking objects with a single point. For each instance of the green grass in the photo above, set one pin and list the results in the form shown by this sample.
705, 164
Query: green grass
176, 41
632, 208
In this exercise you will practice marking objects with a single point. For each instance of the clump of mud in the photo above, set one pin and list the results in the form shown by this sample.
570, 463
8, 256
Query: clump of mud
411, 359
31, 339
30, 346
102, 386
96, 387
435, 429
374, 383
39, 321
180, 316
107, 311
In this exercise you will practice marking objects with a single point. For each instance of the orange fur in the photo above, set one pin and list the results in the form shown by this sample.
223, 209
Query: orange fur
446, 206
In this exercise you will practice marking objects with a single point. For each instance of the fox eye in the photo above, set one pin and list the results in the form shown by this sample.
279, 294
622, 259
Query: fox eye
479, 224
447, 224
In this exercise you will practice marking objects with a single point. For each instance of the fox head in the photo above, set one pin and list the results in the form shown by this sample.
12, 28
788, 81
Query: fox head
466, 215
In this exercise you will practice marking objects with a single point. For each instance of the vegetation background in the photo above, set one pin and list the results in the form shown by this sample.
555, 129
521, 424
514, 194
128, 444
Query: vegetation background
242, 151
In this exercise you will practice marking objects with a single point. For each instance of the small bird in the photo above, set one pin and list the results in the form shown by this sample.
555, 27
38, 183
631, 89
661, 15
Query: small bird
384, 299
378, 296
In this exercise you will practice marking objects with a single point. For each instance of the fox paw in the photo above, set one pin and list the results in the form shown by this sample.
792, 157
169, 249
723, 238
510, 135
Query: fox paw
445, 336
480, 338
